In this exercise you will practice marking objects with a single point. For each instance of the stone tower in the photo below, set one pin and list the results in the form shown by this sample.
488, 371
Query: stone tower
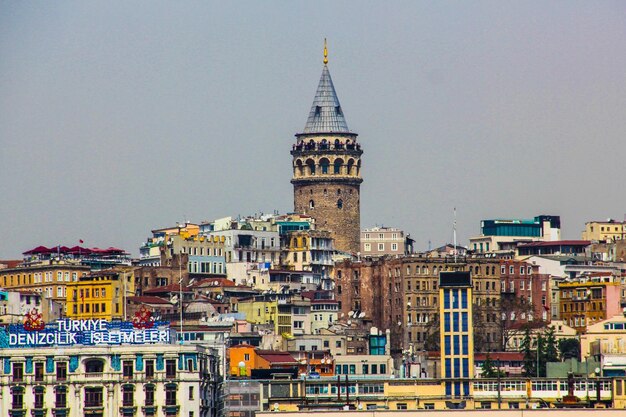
327, 168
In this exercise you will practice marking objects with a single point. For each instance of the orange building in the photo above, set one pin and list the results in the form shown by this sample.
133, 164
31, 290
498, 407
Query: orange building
244, 359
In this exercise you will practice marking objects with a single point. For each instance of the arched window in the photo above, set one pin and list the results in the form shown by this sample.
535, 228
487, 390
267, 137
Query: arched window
340, 203
337, 166
299, 168
350, 166
311, 204
311, 166
93, 366
338, 191
324, 163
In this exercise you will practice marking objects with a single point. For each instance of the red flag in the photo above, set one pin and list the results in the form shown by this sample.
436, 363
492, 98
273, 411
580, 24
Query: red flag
81, 241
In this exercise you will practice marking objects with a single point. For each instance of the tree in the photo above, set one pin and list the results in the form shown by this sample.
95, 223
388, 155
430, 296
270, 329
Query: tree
551, 352
513, 311
569, 348
432, 342
529, 355
490, 370
540, 366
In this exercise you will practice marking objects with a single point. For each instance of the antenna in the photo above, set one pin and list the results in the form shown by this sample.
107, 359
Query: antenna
454, 227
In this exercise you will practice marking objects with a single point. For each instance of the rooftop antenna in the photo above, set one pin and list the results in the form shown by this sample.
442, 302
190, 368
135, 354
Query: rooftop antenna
454, 227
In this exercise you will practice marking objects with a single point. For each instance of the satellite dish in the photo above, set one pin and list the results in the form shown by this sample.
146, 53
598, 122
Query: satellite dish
342, 314
361, 315
350, 313
349, 322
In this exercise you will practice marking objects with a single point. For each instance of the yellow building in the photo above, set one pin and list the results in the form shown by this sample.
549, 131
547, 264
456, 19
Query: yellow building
49, 280
100, 295
260, 310
610, 230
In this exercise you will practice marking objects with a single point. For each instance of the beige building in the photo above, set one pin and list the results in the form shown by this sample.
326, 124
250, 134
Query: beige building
607, 231
379, 241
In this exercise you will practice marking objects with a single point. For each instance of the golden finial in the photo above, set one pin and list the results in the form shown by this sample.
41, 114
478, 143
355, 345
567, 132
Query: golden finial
325, 53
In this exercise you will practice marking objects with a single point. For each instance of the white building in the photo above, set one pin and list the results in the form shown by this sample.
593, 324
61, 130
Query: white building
72, 380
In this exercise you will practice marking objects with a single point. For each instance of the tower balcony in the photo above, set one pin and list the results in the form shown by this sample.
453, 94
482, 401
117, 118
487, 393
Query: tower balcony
330, 178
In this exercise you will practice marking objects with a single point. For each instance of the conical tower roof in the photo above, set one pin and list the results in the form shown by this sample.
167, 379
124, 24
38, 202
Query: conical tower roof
326, 115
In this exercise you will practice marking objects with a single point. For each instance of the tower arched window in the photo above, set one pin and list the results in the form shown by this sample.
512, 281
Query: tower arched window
311, 204
324, 163
337, 166
311, 166
340, 203
350, 166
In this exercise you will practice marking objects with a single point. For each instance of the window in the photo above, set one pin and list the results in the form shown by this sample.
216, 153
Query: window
127, 369
150, 368
340, 203
381, 246
61, 371
367, 247
170, 394
94, 366
18, 372
38, 392
311, 204
246, 356
60, 397
394, 247
149, 389
401, 406
39, 371
93, 397
17, 401
128, 397
170, 368
191, 393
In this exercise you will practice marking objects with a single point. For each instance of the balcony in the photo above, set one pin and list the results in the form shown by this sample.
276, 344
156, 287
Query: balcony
128, 410
60, 412
39, 412
17, 412
150, 410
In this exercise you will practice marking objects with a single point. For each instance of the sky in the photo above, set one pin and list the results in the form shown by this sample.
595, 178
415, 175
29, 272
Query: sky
121, 117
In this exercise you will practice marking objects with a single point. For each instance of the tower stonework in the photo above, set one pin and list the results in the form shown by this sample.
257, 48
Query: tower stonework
327, 169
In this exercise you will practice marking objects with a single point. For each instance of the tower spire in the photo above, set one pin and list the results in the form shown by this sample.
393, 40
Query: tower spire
325, 53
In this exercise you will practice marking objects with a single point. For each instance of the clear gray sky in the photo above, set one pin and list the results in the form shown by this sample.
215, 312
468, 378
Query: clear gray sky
119, 117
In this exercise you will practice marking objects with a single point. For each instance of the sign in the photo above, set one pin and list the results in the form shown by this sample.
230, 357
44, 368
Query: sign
91, 332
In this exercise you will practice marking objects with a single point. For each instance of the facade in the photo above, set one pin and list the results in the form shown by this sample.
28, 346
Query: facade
76, 368
327, 168
100, 295
588, 300
456, 331
309, 250
49, 279
604, 231
379, 241
15, 305
521, 281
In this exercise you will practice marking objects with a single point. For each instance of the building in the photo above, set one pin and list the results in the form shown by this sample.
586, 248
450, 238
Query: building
589, 299
49, 279
379, 241
100, 295
522, 283
309, 250
456, 331
606, 341
79, 368
557, 247
15, 305
604, 231
502, 235
327, 168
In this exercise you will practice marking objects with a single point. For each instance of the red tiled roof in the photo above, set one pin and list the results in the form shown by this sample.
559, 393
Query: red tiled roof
166, 288
502, 356
11, 263
210, 282
148, 299
276, 357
